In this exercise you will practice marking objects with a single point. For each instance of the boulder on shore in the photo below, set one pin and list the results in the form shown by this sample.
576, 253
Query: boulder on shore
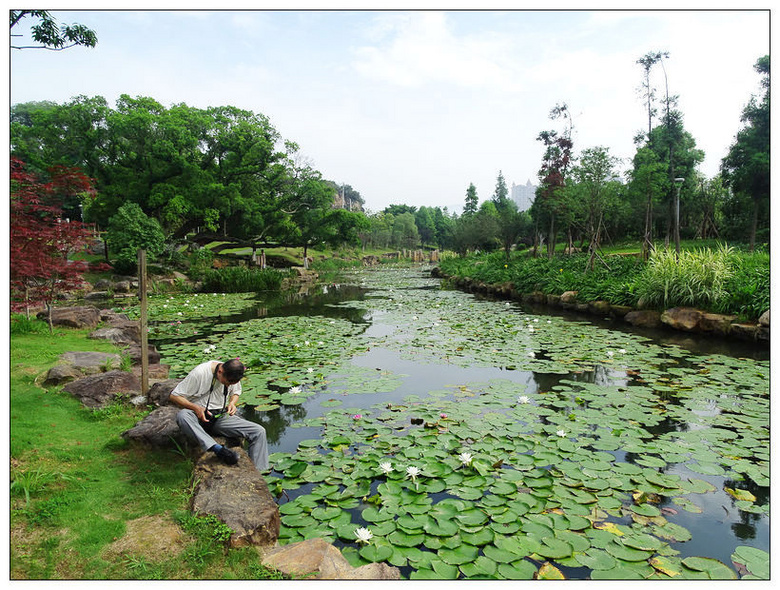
319, 560
85, 316
239, 497
682, 318
644, 318
97, 391
157, 430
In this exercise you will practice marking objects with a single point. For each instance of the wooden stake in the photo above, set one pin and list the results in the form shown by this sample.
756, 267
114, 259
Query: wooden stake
144, 338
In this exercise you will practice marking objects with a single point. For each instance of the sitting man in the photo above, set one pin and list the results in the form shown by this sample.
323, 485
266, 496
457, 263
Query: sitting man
208, 396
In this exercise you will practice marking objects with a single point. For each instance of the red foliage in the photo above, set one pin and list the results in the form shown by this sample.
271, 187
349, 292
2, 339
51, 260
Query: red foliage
40, 240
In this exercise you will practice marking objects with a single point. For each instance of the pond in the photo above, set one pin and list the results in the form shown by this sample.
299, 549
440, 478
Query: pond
461, 437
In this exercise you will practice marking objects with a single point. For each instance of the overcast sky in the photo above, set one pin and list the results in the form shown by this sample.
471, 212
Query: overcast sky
412, 106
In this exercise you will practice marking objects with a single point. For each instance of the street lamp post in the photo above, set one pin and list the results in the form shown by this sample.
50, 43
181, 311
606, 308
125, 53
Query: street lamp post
678, 182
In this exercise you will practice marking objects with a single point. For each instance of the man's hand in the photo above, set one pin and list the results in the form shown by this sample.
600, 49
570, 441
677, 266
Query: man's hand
231, 409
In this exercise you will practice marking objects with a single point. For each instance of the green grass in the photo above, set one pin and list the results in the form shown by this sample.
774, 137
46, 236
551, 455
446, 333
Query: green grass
75, 483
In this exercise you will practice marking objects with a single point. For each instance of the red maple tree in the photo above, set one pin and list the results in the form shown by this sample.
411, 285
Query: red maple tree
41, 241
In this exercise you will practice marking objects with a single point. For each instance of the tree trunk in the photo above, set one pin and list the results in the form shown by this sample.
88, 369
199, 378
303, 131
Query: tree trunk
551, 243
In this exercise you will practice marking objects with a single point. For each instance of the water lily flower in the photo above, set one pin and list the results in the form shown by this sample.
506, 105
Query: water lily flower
465, 458
523, 399
622, 351
561, 433
536, 320
442, 415
386, 467
309, 370
610, 353
306, 342
412, 472
357, 416
363, 535
295, 389
532, 354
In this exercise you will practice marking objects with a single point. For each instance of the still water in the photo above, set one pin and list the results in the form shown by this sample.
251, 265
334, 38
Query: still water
402, 316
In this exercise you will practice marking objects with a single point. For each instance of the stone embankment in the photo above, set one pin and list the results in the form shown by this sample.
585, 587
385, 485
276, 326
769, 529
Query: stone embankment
237, 495
685, 319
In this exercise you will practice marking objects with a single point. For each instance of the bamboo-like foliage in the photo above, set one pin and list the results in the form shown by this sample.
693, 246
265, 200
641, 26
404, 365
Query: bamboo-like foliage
693, 278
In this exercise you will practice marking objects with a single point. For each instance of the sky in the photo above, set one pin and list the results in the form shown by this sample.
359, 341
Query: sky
410, 107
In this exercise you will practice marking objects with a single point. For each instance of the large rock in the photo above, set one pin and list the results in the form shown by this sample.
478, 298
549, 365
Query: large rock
159, 392
716, 323
85, 316
644, 318
569, 297
61, 374
319, 560
599, 307
157, 430
764, 319
91, 363
134, 352
100, 390
238, 496
682, 318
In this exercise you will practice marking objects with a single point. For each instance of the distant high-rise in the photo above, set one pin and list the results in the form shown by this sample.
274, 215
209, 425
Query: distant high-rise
523, 195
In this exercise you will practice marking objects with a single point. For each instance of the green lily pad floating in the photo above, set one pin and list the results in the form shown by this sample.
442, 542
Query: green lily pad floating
376, 553
755, 561
517, 570
714, 569
481, 567
624, 553
460, 555
706, 468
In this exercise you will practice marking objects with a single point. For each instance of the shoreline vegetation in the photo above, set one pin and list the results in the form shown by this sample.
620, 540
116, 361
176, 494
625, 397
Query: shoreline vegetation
724, 282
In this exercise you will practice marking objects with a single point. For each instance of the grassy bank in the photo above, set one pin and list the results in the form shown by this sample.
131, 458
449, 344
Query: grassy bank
720, 279
80, 494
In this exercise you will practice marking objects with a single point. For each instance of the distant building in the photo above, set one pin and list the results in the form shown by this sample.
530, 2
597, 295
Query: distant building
523, 195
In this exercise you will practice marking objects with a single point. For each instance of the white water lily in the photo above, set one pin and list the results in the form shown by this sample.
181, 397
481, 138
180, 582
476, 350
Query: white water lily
536, 319
309, 370
363, 535
610, 353
622, 351
523, 399
295, 389
561, 433
412, 472
465, 458
386, 467
532, 354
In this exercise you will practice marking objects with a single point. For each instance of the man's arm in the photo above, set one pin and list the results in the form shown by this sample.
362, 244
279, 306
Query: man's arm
188, 405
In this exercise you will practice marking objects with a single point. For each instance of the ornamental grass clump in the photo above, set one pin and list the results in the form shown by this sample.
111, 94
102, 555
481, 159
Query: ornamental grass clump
240, 279
695, 278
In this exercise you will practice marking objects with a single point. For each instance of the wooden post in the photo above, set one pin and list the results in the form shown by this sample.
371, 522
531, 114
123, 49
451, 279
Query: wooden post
144, 337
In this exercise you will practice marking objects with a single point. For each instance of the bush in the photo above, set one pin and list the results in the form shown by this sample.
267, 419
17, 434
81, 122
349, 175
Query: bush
240, 279
695, 278
748, 288
21, 324
201, 261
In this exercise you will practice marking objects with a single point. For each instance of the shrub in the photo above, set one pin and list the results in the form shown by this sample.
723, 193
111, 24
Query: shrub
240, 279
21, 324
695, 278
748, 289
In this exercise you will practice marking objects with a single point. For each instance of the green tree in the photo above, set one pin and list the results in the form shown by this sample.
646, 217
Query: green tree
746, 167
596, 184
49, 35
130, 229
472, 201
648, 61
424, 220
405, 232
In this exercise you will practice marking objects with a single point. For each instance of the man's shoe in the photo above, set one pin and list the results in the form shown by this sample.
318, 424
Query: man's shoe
227, 456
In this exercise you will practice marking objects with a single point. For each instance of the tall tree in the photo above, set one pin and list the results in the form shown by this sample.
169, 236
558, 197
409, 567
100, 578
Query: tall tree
595, 179
472, 201
746, 167
556, 160
648, 61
